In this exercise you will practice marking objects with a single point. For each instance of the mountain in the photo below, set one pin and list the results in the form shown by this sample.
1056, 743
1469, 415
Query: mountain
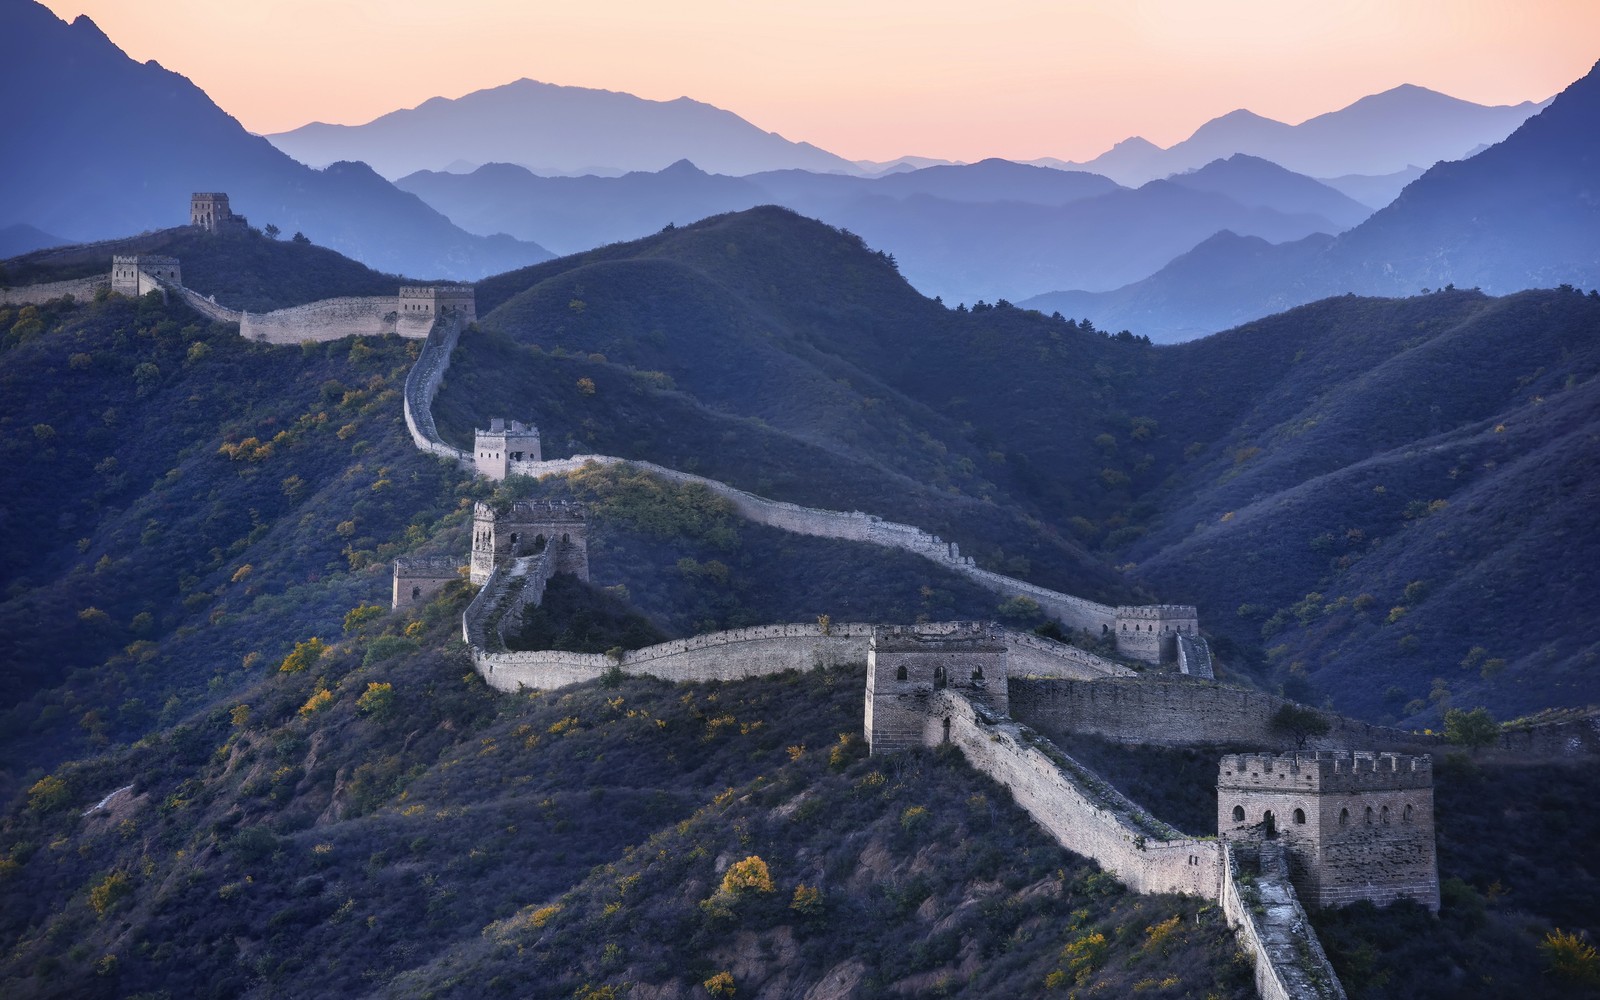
1252, 181
985, 230
1237, 471
1386, 503
1379, 134
116, 147
556, 130
572, 214
1224, 281
21, 238
1374, 191
1521, 214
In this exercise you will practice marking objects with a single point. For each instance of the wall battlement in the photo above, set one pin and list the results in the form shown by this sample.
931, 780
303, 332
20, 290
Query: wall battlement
1327, 770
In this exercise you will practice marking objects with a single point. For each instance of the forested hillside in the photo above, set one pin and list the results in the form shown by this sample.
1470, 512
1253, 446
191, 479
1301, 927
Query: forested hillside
1298, 478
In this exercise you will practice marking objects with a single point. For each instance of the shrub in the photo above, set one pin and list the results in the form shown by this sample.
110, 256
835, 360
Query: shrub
377, 701
357, 618
105, 894
303, 655
48, 794
747, 876
1569, 957
319, 700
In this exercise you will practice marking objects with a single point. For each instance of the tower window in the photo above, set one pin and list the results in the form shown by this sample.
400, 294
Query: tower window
1300, 816
1344, 817
1385, 816
1238, 814
1369, 815
900, 674
1406, 816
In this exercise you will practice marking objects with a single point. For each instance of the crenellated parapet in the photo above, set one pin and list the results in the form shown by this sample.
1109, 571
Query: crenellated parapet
1328, 770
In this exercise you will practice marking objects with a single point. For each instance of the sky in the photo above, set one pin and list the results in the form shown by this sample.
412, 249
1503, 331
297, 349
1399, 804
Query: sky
868, 79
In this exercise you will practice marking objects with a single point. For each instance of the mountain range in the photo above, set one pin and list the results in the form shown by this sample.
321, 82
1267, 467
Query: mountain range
1520, 214
1407, 126
112, 147
556, 130
987, 230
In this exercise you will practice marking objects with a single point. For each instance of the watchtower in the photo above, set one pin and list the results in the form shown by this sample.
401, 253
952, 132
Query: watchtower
1355, 825
417, 580
906, 664
1150, 632
433, 301
494, 450
526, 528
210, 211
126, 271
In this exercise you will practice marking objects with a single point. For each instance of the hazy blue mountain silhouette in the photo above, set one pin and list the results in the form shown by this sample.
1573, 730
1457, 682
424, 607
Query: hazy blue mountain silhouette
1378, 134
20, 238
1522, 214
104, 146
976, 231
572, 214
556, 130
1250, 180
1374, 190
1224, 281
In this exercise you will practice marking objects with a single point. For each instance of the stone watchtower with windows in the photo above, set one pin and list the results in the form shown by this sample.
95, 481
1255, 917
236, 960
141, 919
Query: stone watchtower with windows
210, 211
1355, 825
526, 528
416, 580
495, 450
1150, 632
137, 274
907, 664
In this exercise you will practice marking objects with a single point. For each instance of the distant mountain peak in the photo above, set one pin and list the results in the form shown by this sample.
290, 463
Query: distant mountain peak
559, 130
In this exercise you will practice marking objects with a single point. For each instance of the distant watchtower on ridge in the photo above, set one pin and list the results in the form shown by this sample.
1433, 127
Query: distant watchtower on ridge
494, 451
210, 211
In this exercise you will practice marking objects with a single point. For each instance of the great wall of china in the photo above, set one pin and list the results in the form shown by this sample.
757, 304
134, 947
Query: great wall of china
959, 683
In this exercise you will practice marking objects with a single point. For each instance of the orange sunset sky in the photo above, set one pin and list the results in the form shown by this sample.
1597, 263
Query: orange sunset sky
868, 79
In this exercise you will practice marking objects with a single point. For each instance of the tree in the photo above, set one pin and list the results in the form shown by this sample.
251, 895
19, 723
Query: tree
1474, 730
272, 231
1299, 723
300, 237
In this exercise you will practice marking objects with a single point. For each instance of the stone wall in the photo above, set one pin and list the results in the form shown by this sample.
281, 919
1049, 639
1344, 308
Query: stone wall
1074, 612
1030, 655
1194, 657
208, 307
80, 289
732, 655
422, 384
1080, 810
329, 319
1271, 927
1182, 711
1568, 738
